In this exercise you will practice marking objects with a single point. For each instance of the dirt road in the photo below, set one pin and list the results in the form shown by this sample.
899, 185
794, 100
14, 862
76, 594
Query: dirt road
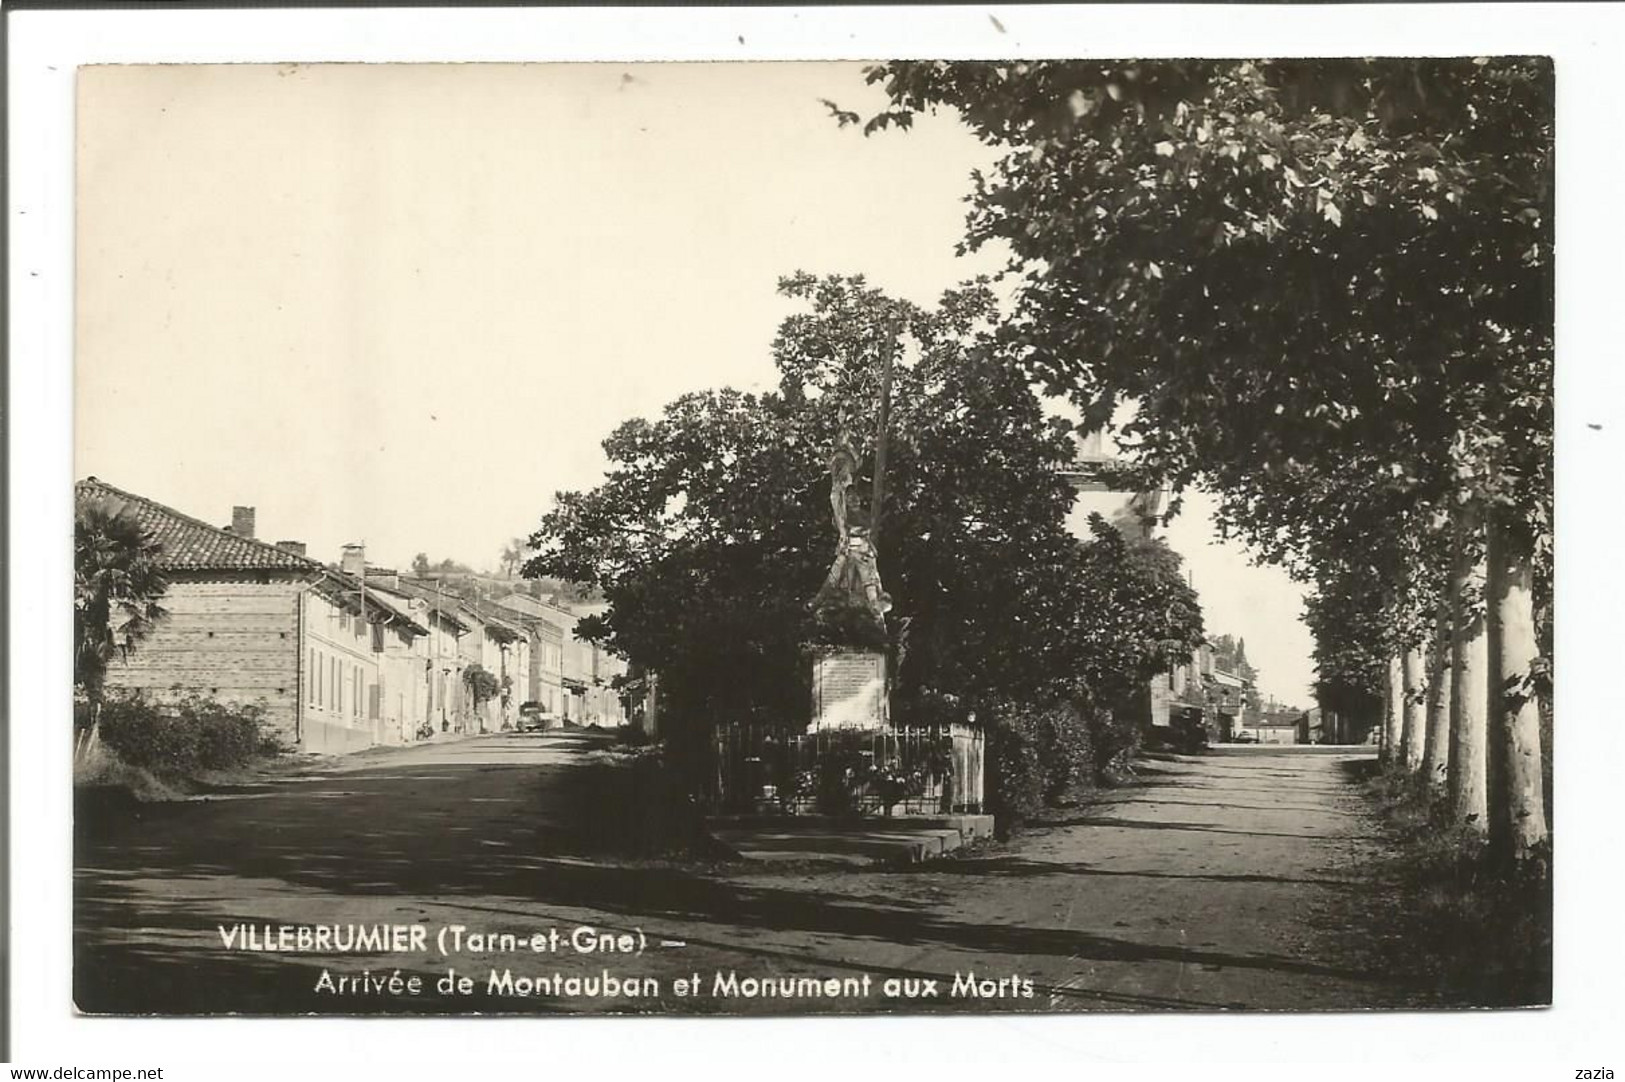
1222, 882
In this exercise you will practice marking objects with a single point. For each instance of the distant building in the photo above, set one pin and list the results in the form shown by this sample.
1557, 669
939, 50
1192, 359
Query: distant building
1318, 725
589, 677
251, 622
549, 629
1199, 690
463, 638
1272, 727
1312, 727
1135, 514
505, 648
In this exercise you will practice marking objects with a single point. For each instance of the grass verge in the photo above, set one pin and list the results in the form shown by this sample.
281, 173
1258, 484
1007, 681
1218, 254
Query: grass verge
1475, 930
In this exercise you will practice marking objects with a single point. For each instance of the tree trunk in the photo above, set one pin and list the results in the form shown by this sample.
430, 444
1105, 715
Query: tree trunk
1517, 803
1392, 700
1436, 746
1469, 661
1413, 726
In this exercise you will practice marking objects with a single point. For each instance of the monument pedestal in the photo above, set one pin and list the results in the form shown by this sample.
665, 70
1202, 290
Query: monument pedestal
849, 690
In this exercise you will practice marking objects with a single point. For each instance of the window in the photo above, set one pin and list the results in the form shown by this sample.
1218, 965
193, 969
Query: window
310, 679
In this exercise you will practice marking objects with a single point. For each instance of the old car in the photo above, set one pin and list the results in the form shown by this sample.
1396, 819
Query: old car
535, 718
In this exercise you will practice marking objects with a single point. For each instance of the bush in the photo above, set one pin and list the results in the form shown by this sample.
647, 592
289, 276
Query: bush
1038, 756
1067, 748
1474, 928
1015, 773
631, 736
1115, 737
184, 738
114, 782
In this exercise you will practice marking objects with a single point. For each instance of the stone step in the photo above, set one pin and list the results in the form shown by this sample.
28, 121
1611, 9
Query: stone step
865, 842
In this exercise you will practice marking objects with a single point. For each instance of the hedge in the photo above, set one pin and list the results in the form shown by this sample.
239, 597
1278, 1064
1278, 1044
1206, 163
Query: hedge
186, 737
1043, 755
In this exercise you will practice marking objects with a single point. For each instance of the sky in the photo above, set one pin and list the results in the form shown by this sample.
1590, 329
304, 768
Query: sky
404, 304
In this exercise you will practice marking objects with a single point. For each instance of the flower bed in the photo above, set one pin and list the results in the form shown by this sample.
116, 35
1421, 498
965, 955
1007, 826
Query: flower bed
906, 770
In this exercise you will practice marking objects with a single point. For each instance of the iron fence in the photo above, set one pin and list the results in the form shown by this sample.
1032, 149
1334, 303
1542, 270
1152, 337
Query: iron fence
901, 770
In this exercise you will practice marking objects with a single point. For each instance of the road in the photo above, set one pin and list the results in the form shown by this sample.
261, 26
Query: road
1223, 881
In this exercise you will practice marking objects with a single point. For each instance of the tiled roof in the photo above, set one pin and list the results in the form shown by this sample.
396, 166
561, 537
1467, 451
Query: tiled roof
347, 591
386, 602
501, 625
529, 606
191, 544
443, 605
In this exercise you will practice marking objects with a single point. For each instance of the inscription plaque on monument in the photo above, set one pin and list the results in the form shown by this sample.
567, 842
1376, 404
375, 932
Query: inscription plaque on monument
849, 690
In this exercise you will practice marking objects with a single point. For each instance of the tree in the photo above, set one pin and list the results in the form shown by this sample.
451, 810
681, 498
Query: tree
118, 582
1130, 615
513, 557
1230, 654
1352, 645
420, 565
483, 686
1325, 288
711, 531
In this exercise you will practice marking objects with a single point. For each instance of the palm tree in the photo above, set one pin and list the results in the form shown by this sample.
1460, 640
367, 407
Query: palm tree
117, 582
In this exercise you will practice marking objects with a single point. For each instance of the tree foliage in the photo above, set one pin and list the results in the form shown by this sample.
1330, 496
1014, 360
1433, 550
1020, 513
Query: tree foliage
482, 684
118, 581
1325, 287
711, 531
512, 557
1353, 641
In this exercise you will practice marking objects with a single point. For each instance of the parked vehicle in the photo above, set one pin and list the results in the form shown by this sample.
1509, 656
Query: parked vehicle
535, 718
1190, 735
1185, 735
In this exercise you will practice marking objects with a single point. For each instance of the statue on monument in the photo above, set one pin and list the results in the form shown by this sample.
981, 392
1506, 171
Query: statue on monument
851, 598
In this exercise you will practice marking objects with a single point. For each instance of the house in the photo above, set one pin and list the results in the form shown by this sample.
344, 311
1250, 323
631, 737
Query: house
549, 628
589, 678
1133, 513
251, 622
1270, 726
1200, 690
504, 652
1229, 694
439, 658
1318, 725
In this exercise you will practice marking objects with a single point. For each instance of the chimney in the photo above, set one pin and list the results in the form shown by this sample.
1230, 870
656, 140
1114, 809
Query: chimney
295, 547
386, 577
242, 521
354, 560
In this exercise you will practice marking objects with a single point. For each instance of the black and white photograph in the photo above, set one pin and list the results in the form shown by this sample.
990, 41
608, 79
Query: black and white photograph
813, 538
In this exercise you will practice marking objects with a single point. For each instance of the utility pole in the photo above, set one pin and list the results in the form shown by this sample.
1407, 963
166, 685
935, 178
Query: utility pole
365, 630
364, 703
437, 683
